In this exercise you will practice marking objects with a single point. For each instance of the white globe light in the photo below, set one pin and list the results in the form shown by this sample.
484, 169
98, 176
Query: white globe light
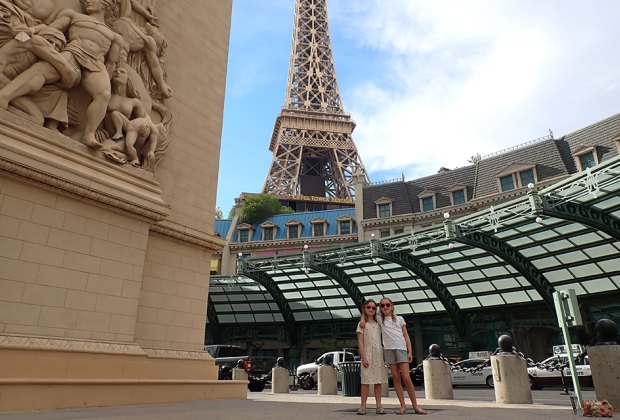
539, 220
372, 235
305, 247
446, 215
451, 245
530, 185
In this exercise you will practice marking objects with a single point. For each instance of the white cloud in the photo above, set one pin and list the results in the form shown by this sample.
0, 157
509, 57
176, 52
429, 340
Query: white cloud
462, 77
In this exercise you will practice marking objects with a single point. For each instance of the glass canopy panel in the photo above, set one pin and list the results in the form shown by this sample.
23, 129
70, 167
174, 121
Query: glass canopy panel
491, 300
598, 285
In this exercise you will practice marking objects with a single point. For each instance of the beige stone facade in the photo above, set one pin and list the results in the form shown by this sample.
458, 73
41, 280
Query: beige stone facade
104, 267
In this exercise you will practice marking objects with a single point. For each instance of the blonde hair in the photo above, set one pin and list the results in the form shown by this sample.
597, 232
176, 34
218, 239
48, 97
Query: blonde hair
393, 314
374, 316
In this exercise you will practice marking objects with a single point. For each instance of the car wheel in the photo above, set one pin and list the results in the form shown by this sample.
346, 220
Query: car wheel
533, 384
256, 385
306, 382
490, 382
225, 374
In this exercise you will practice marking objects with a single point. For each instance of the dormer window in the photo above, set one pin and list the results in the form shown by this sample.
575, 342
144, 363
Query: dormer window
293, 228
427, 200
458, 197
345, 225
586, 157
319, 227
516, 175
384, 207
245, 232
270, 231
507, 182
527, 177
458, 194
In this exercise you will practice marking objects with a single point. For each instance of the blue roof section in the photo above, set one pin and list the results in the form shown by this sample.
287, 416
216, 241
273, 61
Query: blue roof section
304, 218
222, 226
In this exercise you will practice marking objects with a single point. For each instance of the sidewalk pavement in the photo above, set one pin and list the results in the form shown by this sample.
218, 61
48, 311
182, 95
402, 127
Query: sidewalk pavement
297, 406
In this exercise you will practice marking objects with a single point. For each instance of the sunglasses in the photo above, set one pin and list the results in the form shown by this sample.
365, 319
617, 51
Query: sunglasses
372, 308
386, 305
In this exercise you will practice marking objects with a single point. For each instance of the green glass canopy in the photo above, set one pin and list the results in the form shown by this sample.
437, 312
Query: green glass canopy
566, 236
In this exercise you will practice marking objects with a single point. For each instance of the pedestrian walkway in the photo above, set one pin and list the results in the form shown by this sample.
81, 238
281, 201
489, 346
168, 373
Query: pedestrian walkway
299, 406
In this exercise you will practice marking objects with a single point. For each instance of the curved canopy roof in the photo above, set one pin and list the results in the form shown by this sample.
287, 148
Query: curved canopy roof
566, 236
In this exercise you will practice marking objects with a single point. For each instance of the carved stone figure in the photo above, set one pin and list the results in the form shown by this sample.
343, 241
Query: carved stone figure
48, 105
92, 49
146, 40
56, 61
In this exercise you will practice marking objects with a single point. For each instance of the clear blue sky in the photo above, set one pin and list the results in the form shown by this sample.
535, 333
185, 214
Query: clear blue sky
429, 83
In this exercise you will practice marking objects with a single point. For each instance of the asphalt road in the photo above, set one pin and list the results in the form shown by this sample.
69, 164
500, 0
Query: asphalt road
548, 395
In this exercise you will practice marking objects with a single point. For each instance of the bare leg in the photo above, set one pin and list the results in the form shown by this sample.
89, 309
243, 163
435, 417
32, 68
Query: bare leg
155, 66
378, 399
362, 409
30, 81
118, 121
152, 140
97, 84
404, 368
398, 387
130, 140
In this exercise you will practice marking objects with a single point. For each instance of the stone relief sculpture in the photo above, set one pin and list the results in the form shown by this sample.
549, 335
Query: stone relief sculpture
93, 74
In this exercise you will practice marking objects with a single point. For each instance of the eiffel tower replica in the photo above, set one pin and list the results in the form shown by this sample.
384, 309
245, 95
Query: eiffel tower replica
314, 156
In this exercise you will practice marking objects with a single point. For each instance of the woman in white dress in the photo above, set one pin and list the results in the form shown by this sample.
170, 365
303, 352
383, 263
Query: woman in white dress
371, 352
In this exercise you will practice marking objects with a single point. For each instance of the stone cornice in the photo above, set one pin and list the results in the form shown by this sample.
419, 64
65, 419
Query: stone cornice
177, 354
323, 240
51, 160
189, 236
78, 191
61, 344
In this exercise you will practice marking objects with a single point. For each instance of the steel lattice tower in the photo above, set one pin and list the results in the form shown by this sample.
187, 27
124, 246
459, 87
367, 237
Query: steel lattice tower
313, 151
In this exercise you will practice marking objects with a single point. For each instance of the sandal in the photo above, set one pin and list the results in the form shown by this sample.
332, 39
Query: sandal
380, 410
416, 408
361, 411
401, 411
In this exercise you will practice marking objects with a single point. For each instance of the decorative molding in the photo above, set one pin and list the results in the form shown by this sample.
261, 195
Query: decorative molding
234, 248
210, 243
78, 191
58, 344
177, 354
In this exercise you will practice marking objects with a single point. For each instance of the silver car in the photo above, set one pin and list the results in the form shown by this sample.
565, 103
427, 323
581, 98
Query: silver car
480, 377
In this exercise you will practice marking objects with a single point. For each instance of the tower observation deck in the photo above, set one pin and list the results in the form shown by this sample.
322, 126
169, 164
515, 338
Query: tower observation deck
314, 155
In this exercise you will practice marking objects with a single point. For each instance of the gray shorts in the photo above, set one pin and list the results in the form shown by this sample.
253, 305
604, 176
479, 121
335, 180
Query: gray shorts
395, 356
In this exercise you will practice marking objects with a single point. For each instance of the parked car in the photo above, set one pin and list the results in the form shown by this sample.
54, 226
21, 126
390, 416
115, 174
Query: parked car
308, 373
540, 378
480, 377
227, 356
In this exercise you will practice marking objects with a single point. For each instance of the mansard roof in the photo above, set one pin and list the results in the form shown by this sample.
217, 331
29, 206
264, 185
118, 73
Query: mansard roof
305, 220
552, 159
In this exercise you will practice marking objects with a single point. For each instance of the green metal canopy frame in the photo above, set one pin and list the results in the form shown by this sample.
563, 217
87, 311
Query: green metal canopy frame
563, 236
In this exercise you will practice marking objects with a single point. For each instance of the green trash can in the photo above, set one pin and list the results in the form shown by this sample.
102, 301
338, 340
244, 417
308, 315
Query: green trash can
351, 380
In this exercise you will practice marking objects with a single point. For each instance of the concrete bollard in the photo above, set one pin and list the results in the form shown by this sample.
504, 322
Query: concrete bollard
239, 374
385, 390
328, 380
437, 380
604, 362
279, 380
511, 383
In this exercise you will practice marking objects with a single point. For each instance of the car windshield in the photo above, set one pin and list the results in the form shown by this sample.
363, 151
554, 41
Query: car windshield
231, 352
